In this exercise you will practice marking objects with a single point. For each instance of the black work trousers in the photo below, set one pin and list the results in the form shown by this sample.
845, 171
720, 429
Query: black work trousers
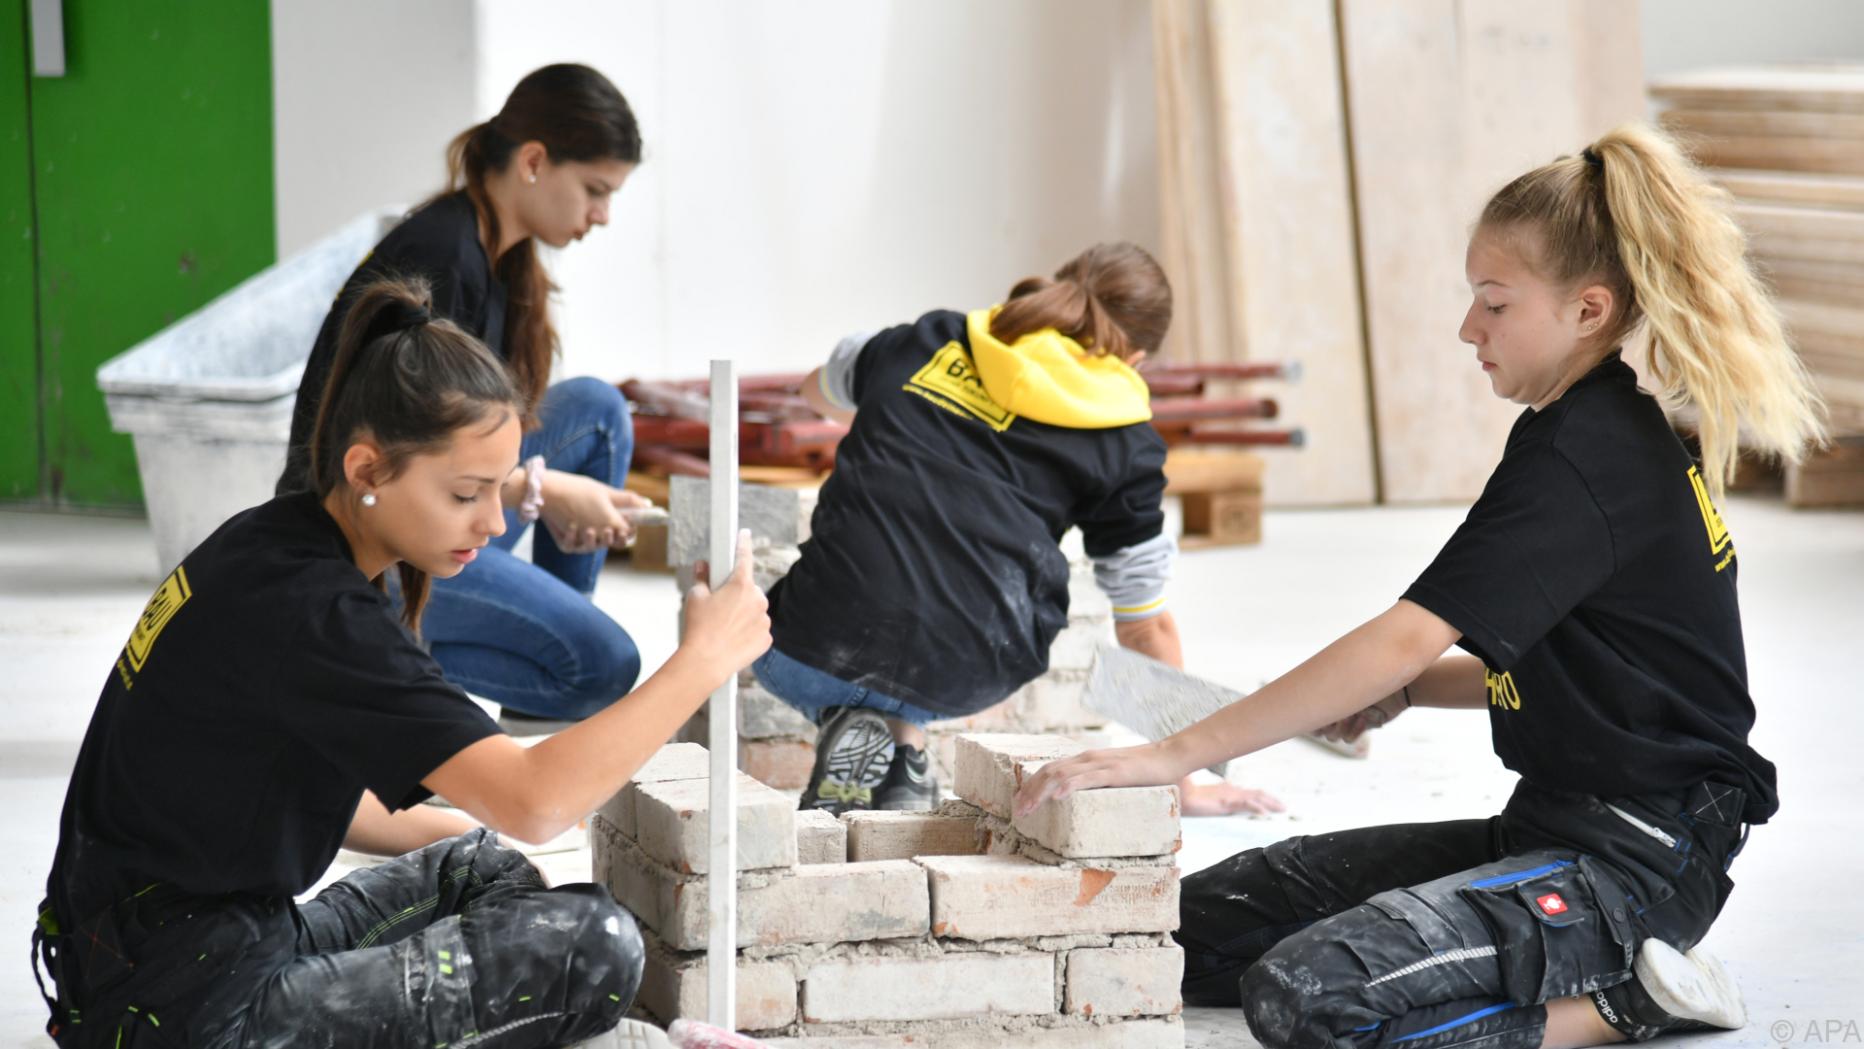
1434, 935
454, 946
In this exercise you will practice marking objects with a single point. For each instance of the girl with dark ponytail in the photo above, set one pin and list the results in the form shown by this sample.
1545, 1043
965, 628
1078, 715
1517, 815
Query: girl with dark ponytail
1592, 589
524, 634
933, 585
272, 704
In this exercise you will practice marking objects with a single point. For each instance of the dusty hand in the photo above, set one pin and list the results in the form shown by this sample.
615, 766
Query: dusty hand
729, 627
1378, 715
1143, 766
584, 515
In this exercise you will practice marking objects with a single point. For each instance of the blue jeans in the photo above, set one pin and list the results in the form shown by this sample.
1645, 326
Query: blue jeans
812, 692
525, 634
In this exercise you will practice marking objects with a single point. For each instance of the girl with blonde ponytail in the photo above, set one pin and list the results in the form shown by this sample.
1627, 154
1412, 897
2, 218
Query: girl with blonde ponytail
1592, 587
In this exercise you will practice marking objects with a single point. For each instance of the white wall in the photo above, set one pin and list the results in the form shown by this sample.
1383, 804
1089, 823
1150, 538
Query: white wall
365, 97
1681, 35
815, 169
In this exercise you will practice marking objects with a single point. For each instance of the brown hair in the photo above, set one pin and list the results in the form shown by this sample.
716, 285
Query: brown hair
578, 116
407, 381
1111, 298
1633, 214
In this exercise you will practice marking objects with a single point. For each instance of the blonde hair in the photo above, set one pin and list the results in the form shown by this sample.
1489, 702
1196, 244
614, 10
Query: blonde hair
1633, 214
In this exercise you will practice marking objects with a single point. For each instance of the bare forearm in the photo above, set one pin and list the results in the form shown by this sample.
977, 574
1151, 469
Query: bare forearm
376, 831
1349, 675
575, 771
1156, 637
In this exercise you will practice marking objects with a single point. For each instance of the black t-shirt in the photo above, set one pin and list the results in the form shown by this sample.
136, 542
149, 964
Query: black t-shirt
265, 685
439, 242
932, 573
1596, 581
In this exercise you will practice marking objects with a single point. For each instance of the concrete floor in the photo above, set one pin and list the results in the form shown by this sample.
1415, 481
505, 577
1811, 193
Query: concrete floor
70, 587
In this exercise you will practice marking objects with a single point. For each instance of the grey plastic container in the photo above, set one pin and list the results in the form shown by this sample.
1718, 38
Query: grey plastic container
208, 399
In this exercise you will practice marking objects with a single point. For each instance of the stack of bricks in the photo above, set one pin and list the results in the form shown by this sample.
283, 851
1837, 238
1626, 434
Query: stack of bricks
777, 745
955, 929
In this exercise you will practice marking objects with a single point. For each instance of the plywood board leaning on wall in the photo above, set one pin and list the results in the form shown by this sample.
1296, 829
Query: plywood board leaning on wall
1257, 230
1447, 100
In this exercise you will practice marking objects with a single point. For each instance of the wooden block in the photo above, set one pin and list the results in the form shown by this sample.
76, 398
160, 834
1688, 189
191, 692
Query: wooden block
1760, 124
1435, 89
781, 476
649, 552
1212, 470
1834, 477
1780, 152
1803, 87
1840, 192
648, 486
1222, 519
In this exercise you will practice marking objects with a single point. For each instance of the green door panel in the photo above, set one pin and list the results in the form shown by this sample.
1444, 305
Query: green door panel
153, 188
19, 340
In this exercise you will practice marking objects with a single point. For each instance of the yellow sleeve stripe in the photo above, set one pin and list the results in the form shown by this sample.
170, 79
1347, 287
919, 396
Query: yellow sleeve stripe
822, 384
1133, 610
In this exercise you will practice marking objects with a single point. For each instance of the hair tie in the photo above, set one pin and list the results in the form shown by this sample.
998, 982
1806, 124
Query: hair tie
395, 317
1592, 158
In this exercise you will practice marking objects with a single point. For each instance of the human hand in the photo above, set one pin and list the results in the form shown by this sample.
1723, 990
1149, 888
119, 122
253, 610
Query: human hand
1143, 766
727, 628
1378, 715
585, 515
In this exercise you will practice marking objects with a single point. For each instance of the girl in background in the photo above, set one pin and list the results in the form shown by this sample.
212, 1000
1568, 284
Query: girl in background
523, 634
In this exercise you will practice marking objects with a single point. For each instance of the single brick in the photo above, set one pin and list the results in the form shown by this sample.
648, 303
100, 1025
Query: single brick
781, 763
821, 838
990, 766
1053, 702
674, 987
671, 825
764, 716
857, 989
1074, 1034
825, 903
1110, 821
1124, 981
877, 835
1074, 648
776, 516
673, 761
1006, 897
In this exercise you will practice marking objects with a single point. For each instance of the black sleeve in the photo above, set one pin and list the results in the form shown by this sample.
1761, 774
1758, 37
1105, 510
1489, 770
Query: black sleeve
370, 701
1133, 510
1533, 547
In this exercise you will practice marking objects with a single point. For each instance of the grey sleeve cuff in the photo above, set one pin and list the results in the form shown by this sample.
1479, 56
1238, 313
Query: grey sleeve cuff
1134, 578
838, 373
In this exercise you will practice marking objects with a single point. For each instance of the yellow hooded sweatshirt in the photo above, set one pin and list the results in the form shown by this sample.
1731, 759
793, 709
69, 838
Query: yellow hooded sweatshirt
1048, 377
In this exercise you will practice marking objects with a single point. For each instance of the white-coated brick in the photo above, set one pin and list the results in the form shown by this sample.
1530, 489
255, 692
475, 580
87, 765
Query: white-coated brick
878, 835
1008, 897
1107, 822
1124, 981
1075, 647
671, 762
776, 516
821, 838
676, 987
1053, 702
764, 716
1077, 1034
990, 766
828, 903
847, 990
671, 821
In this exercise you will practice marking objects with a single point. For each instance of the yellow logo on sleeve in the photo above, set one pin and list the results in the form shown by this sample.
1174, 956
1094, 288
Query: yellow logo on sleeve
950, 381
1502, 690
1721, 544
163, 604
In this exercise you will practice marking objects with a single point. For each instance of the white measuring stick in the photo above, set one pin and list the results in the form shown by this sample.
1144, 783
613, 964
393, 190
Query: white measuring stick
722, 714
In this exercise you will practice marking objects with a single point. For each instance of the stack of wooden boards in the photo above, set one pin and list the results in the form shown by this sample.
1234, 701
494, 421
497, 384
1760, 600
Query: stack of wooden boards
1788, 142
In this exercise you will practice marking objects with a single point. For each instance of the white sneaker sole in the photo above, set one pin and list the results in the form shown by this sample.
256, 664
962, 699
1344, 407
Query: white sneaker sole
1691, 986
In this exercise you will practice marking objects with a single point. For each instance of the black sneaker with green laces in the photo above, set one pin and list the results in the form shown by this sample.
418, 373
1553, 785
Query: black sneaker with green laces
910, 785
1672, 992
854, 751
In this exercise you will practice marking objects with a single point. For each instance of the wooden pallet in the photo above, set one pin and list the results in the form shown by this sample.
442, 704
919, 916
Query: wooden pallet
1831, 478
1221, 494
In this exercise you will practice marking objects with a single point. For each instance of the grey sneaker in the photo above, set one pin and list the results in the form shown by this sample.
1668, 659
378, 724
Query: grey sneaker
1672, 991
854, 750
910, 785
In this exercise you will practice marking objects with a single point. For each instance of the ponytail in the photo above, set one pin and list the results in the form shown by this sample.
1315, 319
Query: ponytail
1110, 299
406, 381
1634, 214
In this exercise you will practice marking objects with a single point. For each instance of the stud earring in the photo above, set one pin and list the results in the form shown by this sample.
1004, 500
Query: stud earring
368, 499
533, 178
